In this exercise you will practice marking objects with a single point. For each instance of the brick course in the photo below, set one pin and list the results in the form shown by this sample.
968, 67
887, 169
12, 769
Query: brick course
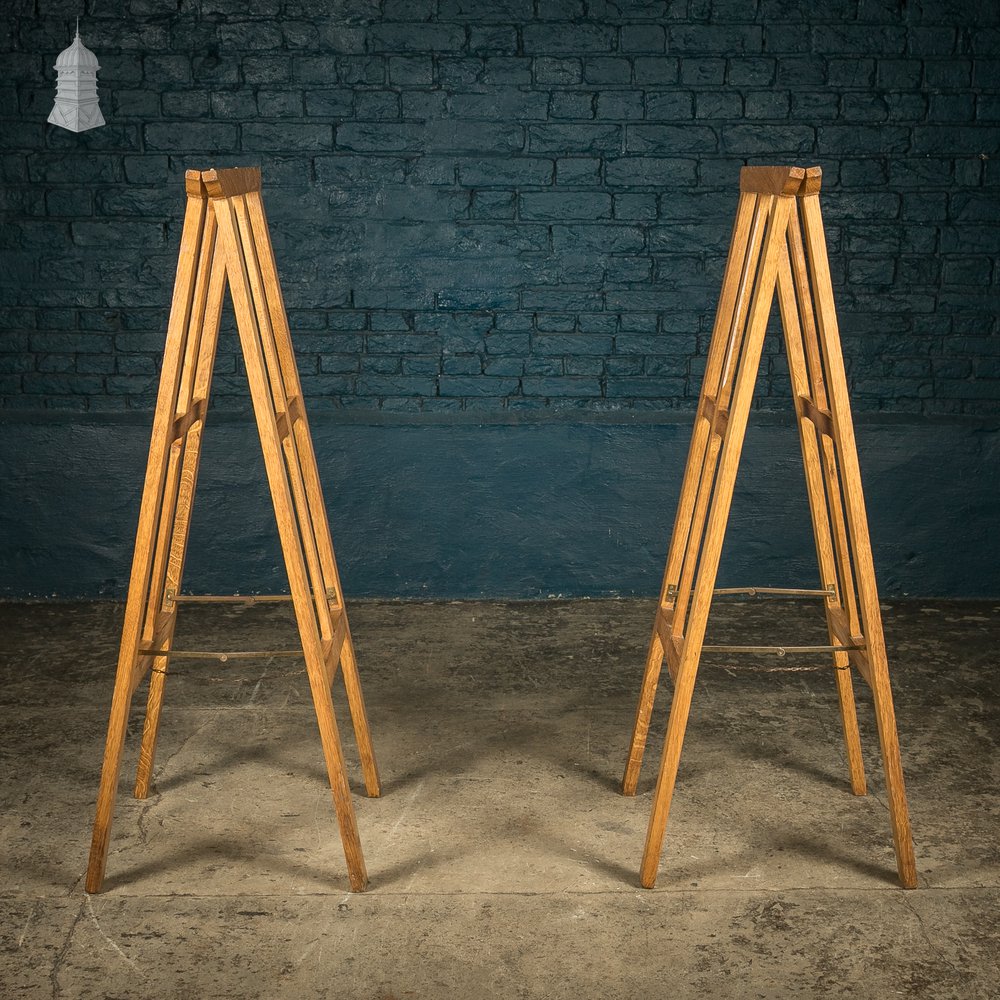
505, 204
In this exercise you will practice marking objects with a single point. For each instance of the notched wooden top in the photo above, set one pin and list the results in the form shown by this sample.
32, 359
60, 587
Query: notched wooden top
232, 182
781, 180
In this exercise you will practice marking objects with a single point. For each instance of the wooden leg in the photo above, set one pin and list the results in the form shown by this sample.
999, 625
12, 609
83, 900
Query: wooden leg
744, 377
157, 470
150, 727
857, 523
168, 566
172, 570
681, 562
108, 791
334, 756
842, 572
849, 721
829, 530
159, 623
640, 731
899, 814
680, 707
747, 233
266, 389
306, 481
359, 717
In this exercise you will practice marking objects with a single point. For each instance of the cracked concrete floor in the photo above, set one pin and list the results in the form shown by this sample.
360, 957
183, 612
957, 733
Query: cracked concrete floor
502, 861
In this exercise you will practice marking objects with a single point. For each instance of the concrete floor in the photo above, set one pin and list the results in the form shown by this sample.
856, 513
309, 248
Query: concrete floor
502, 861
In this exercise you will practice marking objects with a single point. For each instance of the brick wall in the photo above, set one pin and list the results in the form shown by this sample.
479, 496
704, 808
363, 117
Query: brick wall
504, 205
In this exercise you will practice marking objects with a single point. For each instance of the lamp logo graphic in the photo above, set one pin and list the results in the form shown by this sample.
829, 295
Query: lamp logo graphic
76, 106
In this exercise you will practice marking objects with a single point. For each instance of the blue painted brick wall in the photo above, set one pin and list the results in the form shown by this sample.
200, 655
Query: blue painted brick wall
504, 205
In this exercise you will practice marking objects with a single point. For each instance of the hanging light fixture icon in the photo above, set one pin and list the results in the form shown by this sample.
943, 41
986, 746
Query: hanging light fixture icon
76, 107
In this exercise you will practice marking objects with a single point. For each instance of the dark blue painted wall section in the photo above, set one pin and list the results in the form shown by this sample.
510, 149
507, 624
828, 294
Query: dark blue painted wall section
525, 510
511, 213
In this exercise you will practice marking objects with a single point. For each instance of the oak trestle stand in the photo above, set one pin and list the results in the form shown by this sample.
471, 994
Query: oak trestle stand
225, 241
778, 244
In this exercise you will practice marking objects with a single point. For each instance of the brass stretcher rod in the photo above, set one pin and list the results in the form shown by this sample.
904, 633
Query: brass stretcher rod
219, 654
231, 598
771, 591
783, 591
778, 650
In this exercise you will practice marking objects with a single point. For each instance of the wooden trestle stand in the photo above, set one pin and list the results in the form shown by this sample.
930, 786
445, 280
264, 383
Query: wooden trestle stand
778, 243
225, 241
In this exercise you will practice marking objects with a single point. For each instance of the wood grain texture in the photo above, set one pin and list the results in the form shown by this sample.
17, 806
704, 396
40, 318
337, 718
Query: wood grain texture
149, 513
146, 533
179, 487
772, 180
248, 324
717, 517
232, 182
314, 504
857, 520
193, 184
769, 264
813, 421
828, 446
728, 305
219, 247
812, 181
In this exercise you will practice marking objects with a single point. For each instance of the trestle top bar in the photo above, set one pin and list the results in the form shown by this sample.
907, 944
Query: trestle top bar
232, 182
781, 180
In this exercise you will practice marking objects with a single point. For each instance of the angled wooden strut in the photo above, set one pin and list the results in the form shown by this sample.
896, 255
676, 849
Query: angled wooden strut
778, 244
225, 242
